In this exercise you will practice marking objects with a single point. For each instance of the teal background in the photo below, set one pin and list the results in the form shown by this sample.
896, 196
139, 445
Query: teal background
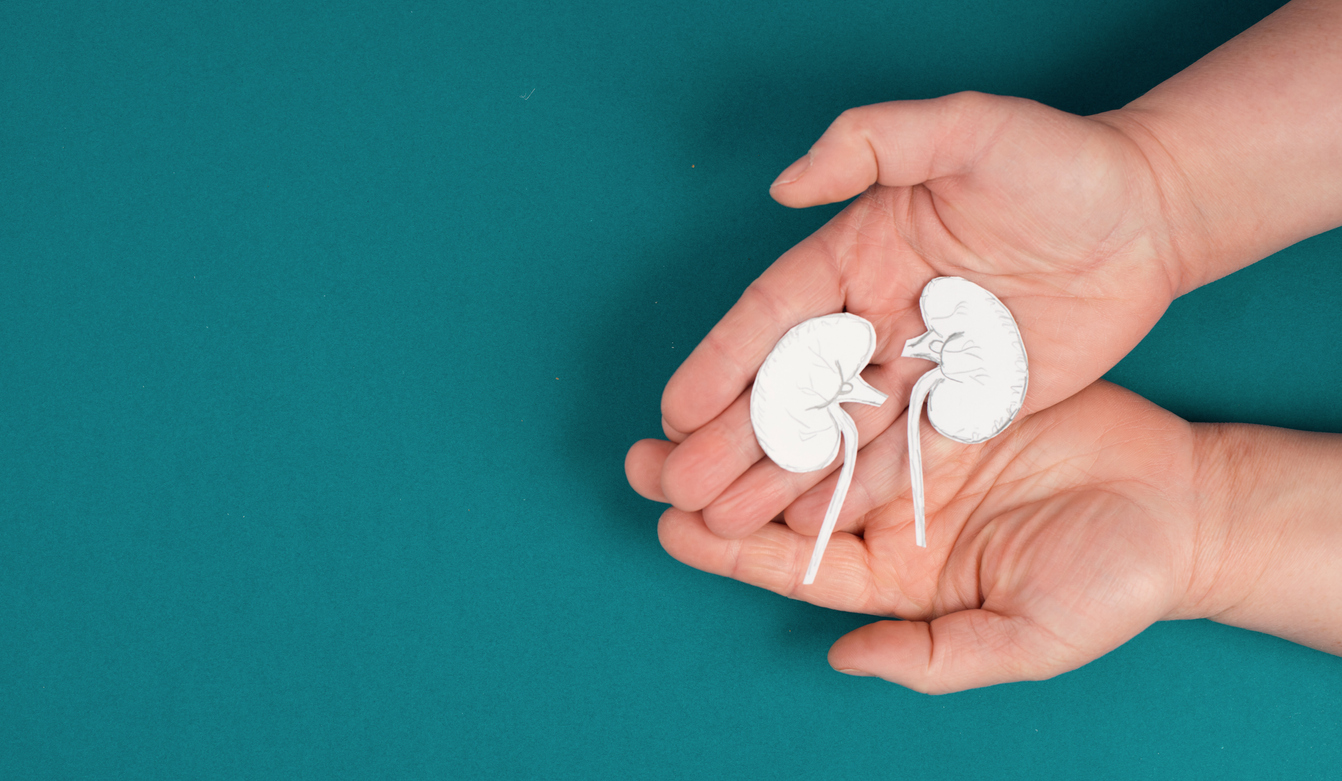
324, 330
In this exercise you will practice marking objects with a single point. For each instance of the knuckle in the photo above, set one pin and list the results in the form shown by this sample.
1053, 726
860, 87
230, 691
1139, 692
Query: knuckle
852, 121
968, 108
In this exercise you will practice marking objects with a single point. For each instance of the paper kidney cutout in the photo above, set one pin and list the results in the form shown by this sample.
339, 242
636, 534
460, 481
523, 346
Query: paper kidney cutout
794, 405
979, 386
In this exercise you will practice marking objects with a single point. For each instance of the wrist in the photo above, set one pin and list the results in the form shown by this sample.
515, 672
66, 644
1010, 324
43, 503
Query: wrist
1189, 251
1267, 540
1244, 142
1222, 547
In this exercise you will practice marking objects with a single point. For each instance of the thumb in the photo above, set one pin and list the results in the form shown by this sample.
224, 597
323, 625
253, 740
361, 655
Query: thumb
958, 651
898, 144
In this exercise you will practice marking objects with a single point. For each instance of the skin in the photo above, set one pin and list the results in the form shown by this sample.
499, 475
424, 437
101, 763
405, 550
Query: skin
1055, 542
1096, 513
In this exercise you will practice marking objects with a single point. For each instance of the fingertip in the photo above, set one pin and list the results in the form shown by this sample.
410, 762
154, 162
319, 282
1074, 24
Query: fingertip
794, 172
758, 497
730, 525
643, 467
897, 144
684, 536
842, 658
835, 169
672, 433
793, 197
694, 477
789, 188
686, 495
806, 513
885, 649
697, 472
966, 649
816, 189
670, 528
853, 671
853, 650
681, 413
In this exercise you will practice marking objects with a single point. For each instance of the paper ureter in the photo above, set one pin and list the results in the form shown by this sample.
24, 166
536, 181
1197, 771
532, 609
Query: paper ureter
849, 432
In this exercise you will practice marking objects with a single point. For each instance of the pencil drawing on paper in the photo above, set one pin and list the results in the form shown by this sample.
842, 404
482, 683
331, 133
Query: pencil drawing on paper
794, 405
978, 386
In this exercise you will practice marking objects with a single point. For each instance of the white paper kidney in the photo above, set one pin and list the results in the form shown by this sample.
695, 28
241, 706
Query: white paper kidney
794, 405
979, 385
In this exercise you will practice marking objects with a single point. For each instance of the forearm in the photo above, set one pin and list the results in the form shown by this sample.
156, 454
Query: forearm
1268, 549
1247, 142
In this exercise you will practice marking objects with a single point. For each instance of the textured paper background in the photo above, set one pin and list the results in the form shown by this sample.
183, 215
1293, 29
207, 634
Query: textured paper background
321, 347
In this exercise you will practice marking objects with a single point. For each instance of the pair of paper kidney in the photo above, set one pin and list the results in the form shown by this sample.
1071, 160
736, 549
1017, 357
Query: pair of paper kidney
972, 395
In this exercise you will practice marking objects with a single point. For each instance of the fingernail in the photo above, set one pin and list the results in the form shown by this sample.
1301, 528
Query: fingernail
793, 172
853, 671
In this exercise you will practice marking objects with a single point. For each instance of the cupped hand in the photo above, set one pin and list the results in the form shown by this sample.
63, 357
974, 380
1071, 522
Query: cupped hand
1060, 216
1048, 546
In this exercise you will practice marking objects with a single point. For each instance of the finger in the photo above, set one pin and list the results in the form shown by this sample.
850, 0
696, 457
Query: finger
899, 144
879, 464
758, 497
958, 651
803, 283
955, 478
903, 322
775, 558
672, 434
710, 459
766, 489
877, 476
643, 467
881, 479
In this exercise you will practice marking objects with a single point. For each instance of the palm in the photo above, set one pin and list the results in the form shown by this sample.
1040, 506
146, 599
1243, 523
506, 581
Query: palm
1054, 214
1047, 547
1059, 217
1069, 493
1059, 225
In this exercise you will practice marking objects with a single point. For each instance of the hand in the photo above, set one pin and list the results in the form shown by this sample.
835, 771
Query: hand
1058, 215
1086, 228
1048, 546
